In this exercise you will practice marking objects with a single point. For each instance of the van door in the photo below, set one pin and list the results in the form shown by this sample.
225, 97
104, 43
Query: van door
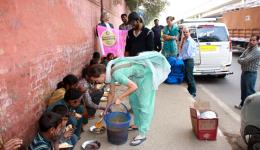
213, 46
193, 34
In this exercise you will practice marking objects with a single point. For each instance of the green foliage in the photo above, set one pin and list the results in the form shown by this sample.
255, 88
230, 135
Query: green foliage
132, 4
152, 8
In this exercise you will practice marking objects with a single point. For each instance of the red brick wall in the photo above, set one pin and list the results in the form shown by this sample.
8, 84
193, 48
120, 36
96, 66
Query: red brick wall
40, 42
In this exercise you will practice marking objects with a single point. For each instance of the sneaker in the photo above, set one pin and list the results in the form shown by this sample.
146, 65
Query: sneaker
238, 107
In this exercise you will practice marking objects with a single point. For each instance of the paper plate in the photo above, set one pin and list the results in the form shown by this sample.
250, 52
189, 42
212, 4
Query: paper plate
103, 99
91, 145
107, 89
65, 145
105, 94
117, 83
100, 86
95, 130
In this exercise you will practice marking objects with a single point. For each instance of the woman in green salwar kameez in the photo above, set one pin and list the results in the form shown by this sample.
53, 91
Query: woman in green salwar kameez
142, 75
170, 36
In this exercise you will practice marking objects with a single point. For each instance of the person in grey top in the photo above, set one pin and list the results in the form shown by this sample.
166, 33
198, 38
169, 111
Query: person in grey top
249, 61
92, 95
124, 25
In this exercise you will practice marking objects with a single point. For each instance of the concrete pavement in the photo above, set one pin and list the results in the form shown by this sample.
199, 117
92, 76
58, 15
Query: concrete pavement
171, 127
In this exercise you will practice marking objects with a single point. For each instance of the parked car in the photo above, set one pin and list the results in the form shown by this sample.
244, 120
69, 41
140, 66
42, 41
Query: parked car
214, 56
250, 121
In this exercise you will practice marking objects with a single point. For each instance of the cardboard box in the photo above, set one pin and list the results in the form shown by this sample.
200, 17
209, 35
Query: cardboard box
204, 129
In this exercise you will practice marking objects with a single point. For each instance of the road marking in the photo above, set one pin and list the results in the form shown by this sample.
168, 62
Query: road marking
220, 133
221, 104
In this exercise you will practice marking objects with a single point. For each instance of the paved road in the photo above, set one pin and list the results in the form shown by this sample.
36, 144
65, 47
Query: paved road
171, 127
223, 94
228, 88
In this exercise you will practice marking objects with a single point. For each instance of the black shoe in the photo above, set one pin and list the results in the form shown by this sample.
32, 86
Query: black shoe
239, 107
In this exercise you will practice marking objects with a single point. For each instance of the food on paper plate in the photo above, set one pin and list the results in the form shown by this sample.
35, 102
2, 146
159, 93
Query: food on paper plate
91, 145
103, 99
94, 129
78, 115
100, 86
117, 83
69, 127
65, 145
105, 94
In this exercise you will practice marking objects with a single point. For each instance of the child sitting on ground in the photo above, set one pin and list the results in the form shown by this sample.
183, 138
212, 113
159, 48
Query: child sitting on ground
49, 132
67, 130
96, 58
110, 56
72, 100
91, 95
69, 81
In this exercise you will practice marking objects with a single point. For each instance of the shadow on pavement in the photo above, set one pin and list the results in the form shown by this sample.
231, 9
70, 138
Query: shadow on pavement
236, 141
209, 79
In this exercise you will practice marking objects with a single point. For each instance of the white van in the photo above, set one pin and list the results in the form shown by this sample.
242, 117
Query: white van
214, 56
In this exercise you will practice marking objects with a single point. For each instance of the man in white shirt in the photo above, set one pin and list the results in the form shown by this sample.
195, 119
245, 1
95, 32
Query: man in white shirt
188, 50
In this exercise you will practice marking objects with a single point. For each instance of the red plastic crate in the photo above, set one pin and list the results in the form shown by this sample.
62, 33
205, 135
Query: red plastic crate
204, 129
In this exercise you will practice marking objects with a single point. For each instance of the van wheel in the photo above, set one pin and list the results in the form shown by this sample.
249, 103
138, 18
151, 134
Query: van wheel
250, 134
254, 146
254, 143
221, 76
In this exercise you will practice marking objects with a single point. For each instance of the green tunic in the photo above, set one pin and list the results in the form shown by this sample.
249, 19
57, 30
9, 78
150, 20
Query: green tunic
142, 100
170, 46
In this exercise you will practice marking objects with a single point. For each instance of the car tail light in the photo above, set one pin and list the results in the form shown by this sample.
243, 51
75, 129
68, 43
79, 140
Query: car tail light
230, 44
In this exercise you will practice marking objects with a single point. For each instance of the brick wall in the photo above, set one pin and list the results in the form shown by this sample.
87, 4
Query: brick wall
40, 42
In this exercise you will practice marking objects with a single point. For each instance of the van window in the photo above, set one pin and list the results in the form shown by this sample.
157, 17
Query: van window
211, 33
193, 34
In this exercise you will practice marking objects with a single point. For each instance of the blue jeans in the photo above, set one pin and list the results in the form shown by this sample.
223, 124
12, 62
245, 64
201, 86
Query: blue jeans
189, 65
77, 122
248, 80
73, 141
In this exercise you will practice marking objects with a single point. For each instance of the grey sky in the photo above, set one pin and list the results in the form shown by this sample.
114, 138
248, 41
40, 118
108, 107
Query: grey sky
184, 8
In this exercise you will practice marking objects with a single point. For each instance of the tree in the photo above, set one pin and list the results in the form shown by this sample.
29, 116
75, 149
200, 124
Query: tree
152, 8
132, 4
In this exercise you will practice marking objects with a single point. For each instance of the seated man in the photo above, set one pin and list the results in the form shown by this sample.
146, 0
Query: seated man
72, 100
49, 132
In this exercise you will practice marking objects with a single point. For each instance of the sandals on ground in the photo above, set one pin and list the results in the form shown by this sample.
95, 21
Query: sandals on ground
132, 128
137, 141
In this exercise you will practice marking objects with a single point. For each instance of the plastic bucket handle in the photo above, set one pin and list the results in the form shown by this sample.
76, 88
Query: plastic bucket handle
111, 114
121, 104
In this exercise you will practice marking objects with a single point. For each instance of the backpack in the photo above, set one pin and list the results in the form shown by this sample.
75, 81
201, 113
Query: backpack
176, 75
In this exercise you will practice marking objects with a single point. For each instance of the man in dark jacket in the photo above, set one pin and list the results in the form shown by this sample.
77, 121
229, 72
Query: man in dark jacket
139, 38
157, 35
